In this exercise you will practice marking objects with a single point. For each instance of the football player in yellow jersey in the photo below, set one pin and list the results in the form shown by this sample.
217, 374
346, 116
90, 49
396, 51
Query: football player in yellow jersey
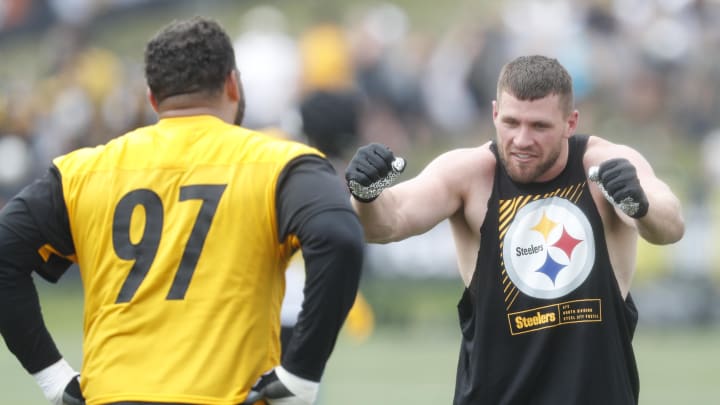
182, 231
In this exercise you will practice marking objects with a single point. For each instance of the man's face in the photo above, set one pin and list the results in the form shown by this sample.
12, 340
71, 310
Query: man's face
531, 136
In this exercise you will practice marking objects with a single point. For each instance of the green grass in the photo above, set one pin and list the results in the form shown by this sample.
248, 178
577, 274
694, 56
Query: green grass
418, 367
395, 366
413, 363
678, 366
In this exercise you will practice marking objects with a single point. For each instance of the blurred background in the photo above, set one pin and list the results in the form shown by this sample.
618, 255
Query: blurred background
646, 74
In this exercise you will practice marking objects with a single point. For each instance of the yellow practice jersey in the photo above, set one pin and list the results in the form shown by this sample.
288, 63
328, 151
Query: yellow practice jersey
175, 234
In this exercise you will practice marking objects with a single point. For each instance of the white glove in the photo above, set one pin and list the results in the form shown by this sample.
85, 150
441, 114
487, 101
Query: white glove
53, 379
280, 387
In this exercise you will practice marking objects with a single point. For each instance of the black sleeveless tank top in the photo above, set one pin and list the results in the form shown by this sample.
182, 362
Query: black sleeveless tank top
543, 321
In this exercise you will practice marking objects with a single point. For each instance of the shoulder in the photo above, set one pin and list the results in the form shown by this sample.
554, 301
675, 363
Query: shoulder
78, 160
104, 156
599, 150
478, 160
273, 141
267, 146
463, 170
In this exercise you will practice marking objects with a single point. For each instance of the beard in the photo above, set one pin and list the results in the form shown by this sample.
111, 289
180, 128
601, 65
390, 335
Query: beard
527, 173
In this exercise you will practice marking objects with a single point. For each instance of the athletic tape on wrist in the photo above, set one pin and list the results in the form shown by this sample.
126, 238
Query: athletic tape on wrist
303, 389
53, 380
372, 191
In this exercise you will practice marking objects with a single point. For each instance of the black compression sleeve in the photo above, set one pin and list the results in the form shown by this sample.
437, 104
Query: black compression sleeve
332, 247
21, 323
308, 185
314, 206
26, 223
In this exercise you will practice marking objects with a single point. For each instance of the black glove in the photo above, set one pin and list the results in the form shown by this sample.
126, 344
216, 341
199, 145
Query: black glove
618, 180
372, 169
72, 394
275, 392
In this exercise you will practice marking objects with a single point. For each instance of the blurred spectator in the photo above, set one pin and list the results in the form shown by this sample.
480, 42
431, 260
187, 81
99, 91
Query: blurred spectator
389, 64
490, 50
15, 168
325, 57
643, 69
448, 98
267, 57
330, 121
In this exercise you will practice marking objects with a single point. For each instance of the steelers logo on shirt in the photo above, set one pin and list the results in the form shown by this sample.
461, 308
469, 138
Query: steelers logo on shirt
549, 248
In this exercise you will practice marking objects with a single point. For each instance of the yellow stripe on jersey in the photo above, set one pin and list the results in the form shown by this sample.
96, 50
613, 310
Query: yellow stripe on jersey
47, 250
175, 233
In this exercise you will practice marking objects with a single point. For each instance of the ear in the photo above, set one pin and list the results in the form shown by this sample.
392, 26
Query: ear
232, 85
572, 122
153, 100
494, 110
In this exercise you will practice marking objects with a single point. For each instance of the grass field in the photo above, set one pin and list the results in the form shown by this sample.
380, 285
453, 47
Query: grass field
415, 363
676, 367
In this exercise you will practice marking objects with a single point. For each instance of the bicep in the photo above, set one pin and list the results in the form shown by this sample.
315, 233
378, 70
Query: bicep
439, 192
35, 229
651, 184
307, 186
657, 191
601, 150
664, 223
29, 225
424, 201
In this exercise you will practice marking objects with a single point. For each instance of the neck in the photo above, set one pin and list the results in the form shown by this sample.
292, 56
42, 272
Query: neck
185, 105
185, 112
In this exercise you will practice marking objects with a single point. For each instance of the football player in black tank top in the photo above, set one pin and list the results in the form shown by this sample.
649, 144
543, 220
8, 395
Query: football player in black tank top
545, 224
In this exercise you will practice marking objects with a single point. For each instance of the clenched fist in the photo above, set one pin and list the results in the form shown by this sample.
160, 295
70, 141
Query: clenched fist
373, 168
617, 178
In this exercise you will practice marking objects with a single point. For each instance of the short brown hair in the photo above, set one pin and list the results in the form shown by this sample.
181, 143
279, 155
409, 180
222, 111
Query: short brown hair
534, 77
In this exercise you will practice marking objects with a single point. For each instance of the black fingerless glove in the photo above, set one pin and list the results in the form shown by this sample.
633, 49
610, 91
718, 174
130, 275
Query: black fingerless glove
620, 184
372, 169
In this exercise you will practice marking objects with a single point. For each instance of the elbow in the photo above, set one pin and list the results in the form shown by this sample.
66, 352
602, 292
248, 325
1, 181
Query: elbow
379, 236
382, 232
346, 243
669, 234
676, 230
677, 233
665, 225
351, 247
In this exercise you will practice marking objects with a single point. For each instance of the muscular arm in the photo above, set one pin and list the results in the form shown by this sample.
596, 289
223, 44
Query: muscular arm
663, 224
313, 204
416, 205
32, 219
445, 187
